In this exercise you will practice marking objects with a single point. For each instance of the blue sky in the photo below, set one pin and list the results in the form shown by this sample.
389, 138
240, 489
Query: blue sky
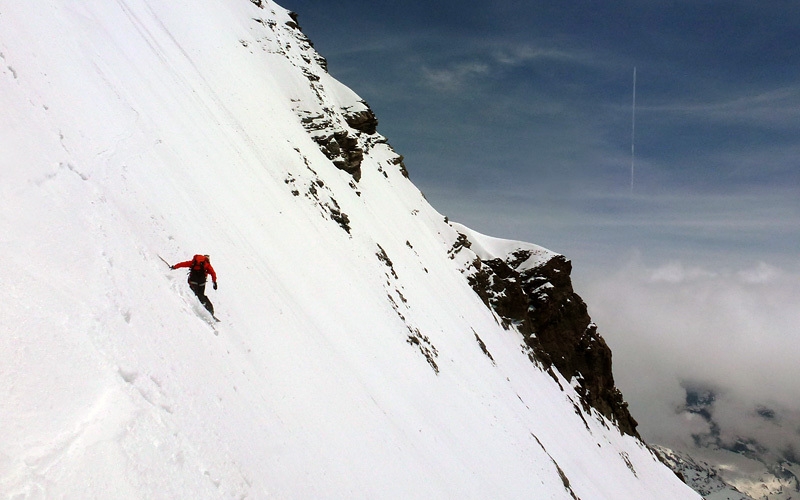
515, 118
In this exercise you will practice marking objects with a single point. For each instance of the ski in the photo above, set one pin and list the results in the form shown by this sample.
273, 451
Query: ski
213, 328
212, 323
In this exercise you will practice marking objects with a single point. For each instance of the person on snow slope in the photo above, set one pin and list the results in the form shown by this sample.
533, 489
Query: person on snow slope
199, 269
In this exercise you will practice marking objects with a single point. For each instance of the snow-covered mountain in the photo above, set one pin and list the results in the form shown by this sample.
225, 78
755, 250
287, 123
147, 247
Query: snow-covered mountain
368, 348
750, 449
703, 477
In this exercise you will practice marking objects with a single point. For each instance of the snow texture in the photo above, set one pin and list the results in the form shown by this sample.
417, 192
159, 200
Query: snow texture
133, 129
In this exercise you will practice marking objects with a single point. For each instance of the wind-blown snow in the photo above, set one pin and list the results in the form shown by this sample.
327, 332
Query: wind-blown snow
136, 129
489, 247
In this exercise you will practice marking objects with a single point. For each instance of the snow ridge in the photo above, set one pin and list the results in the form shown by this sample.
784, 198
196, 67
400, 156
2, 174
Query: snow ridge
353, 359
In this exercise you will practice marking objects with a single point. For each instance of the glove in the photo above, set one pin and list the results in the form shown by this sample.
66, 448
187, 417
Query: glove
215, 285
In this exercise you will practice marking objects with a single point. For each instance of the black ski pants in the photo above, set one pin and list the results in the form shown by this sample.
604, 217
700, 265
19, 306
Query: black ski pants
199, 289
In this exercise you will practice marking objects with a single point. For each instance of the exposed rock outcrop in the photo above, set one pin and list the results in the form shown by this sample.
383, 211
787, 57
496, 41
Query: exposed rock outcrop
363, 120
566, 336
343, 125
530, 290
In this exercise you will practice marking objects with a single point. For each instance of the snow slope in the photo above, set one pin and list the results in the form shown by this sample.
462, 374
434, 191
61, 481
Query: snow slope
346, 363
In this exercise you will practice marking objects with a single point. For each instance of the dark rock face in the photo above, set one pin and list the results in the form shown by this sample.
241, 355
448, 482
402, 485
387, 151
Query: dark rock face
363, 121
541, 304
345, 133
566, 334
344, 145
345, 130
496, 284
343, 150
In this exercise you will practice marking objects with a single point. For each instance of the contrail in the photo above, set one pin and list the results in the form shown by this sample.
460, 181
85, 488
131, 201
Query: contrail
633, 128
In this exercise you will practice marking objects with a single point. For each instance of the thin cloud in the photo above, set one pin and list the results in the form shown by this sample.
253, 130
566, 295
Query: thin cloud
455, 77
516, 55
763, 273
676, 273
470, 58
777, 107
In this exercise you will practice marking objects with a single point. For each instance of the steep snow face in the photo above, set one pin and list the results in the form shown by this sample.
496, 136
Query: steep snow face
353, 360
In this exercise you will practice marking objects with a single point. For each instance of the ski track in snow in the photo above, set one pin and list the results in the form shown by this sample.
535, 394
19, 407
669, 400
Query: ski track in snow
352, 359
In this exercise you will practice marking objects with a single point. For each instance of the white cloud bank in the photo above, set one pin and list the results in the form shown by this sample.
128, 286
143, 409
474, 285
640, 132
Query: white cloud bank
737, 331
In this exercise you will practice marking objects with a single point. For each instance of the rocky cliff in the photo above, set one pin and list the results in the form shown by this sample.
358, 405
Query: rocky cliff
529, 289
536, 300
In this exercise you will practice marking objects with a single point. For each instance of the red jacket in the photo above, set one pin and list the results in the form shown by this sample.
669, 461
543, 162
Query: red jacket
199, 264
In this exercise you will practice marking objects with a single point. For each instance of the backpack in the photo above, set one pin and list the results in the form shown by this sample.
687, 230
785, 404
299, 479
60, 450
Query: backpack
199, 262
197, 271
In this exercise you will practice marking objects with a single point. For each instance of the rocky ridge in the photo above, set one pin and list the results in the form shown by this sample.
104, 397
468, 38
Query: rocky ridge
530, 290
345, 133
536, 300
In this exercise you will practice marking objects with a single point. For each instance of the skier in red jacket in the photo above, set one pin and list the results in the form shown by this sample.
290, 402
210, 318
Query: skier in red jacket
199, 269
